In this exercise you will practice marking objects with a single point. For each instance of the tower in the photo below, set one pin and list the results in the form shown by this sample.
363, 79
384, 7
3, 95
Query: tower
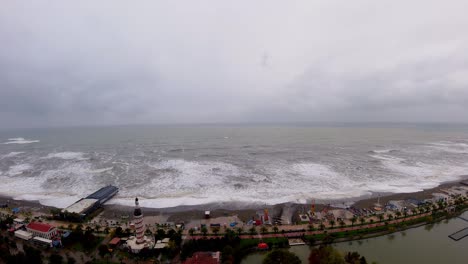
138, 219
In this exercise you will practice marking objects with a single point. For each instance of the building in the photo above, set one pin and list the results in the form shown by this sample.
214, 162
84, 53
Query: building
42, 242
92, 202
139, 241
23, 234
42, 230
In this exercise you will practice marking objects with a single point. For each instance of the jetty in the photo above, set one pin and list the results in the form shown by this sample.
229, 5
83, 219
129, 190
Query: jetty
460, 234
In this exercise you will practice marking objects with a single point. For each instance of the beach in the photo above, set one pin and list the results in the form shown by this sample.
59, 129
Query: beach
195, 214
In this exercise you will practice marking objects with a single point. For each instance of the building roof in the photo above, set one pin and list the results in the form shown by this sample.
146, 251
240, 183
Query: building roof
80, 206
103, 193
41, 227
114, 241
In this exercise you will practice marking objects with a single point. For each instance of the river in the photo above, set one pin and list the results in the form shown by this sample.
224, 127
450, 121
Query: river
428, 244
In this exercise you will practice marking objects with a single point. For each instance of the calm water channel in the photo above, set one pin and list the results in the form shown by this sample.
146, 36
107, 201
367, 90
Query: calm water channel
427, 244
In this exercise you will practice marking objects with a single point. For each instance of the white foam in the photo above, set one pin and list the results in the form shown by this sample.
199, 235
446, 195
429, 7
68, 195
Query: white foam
450, 147
20, 140
101, 170
67, 155
382, 151
11, 154
18, 169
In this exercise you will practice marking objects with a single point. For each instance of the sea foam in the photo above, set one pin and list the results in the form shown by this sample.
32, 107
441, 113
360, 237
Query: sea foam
20, 140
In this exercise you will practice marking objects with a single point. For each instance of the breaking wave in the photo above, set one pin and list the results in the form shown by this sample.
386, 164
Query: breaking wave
20, 140
66, 155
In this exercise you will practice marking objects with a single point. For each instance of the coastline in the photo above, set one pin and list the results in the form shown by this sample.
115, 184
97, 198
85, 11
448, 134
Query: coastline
243, 211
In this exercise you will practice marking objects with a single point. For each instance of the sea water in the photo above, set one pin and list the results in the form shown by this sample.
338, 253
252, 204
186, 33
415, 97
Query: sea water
198, 164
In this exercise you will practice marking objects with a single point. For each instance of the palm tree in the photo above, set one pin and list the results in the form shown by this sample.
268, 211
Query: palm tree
204, 230
371, 221
389, 216
322, 226
239, 230
263, 230
398, 214
381, 217
332, 223
252, 231
310, 227
342, 223
362, 220
353, 220
215, 230
275, 229
191, 231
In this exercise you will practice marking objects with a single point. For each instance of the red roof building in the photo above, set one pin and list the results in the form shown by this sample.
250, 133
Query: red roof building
204, 258
115, 241
42, 230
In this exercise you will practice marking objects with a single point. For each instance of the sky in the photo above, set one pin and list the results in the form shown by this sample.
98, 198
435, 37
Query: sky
69, 63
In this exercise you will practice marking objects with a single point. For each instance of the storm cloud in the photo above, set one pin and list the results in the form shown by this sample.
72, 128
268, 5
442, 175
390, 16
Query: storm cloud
116, 62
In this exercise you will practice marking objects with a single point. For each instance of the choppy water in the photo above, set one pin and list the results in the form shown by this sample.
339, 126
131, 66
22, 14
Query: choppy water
186, 165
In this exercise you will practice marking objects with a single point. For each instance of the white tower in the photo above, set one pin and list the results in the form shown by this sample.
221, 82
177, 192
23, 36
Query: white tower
138, 218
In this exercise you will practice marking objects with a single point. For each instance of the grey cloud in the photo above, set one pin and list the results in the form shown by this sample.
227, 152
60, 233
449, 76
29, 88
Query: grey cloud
112, 62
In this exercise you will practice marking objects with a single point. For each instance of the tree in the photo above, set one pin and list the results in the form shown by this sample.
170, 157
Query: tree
281, 256
71, 260
239, 230
252, 231
353, 220
275, 229
342, 223
263, 230
332, 223
310, 227
215, 230
204, 231
325, 255
322, 226
381, 217
398, 214
55, 259
103, 250
362, 220
227, 254
191, 231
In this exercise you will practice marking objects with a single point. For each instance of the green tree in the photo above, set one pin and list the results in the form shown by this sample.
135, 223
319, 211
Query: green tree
204, 231
275, 229
103, 250
342, 223
362, 220
353, 220
332, 223
263, 230
252, 231
55, 259
325, 255
381, 217
281, 256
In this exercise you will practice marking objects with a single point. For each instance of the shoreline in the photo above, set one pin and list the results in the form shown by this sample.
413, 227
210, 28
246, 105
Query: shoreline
244, 211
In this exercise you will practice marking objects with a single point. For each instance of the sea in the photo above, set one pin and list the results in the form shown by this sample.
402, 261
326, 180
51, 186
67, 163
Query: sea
174, 165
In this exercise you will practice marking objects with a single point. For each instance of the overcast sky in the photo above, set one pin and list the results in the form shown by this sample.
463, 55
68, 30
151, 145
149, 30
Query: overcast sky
120, 62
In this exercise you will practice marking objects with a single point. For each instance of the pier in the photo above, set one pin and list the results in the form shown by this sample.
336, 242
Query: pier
460, 234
